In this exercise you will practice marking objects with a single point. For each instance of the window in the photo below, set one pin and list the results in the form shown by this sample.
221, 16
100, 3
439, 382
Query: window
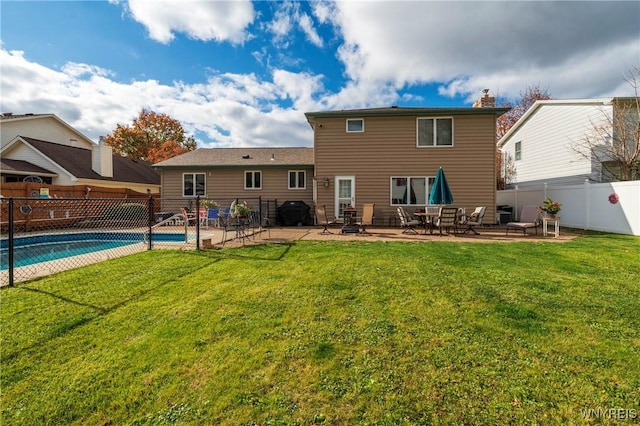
297, 179
518, 149
435, 131
193, 184
355, 125
253, 180
410, 190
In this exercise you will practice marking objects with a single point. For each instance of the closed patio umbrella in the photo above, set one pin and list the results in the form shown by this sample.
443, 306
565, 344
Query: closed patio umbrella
440, 192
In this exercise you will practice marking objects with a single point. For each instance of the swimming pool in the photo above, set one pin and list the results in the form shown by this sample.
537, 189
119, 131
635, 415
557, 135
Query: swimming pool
43, 248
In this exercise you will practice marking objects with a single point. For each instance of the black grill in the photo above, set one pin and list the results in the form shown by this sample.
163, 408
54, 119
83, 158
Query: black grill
294, 213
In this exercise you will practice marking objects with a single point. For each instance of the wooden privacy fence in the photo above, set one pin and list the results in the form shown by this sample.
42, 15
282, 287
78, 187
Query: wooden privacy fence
33, 190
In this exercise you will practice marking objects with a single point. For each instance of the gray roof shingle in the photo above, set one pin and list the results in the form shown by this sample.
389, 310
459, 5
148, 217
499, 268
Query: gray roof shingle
77, 161
239, 157
9, 165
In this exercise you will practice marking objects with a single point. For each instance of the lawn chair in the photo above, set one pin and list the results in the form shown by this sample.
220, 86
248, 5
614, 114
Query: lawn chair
473, 220
407, 223
202, 217
213, 215
366, 219
189, 218
447, 220
529, 218
321, 218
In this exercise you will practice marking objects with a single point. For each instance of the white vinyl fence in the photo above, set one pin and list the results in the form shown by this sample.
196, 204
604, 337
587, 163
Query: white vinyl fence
585, 206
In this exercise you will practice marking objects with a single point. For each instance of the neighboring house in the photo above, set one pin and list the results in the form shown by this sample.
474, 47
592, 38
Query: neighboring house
546, 145
283, 174
390, 156
43, 148
46, 127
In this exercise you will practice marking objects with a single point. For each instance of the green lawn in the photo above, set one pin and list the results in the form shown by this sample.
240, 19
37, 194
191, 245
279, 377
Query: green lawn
331, 333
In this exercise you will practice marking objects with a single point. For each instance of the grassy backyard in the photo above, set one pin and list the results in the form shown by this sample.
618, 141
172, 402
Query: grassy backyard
331, 333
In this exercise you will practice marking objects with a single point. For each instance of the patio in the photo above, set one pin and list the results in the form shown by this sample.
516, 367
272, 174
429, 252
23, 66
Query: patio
488, 234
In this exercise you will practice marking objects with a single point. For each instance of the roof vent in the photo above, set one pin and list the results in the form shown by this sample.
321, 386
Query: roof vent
273, 157
246, 156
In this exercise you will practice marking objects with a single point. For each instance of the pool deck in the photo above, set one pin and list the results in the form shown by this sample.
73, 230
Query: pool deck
487, 234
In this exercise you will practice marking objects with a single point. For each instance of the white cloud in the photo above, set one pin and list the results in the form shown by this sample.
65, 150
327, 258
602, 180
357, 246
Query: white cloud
231, 109
467, 46
388, 50
286, 17
306, 25
281, 25
200, 20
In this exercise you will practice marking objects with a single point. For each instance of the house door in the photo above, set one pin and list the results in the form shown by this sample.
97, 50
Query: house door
345, 193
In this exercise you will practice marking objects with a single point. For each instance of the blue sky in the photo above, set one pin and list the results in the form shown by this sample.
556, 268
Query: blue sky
240, 73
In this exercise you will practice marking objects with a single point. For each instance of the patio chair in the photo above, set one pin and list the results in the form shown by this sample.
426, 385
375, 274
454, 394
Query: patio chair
447, 220
189, 218
367, 218
407, 223
321, 218
473, 220
202, 217
529, 218
213, 215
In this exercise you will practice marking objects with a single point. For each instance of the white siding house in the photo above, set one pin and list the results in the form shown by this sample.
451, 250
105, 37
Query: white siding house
46, 127
543, 145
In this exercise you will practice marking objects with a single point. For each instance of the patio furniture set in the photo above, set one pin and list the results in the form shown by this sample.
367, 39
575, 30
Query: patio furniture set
444, 219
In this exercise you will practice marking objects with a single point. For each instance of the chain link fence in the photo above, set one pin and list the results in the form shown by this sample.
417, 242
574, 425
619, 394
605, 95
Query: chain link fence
42, 236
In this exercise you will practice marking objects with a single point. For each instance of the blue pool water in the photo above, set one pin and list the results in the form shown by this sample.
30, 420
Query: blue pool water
43, 248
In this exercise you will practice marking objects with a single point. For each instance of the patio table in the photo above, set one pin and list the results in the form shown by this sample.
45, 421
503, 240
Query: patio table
427, 219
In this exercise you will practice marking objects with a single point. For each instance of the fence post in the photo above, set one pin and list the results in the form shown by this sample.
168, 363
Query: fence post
10, 245
587, 205
151, 216
516, 217
198, 222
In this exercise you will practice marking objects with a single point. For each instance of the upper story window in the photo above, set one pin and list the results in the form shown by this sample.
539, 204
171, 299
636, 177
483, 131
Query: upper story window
435, 131
355, 125
518, 149
297, 179
253, 179
193, 184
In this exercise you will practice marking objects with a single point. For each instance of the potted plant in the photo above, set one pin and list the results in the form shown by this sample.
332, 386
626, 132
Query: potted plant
550, 207
242, 209
208, 204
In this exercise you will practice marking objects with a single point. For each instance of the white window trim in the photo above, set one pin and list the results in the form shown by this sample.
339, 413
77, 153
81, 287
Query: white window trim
289, 180
193, 174
244, 180
354, 119
435, 130
515, 151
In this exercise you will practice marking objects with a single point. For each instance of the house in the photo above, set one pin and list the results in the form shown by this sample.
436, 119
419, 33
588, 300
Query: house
390, 156
43, 148
547, 144
226, 173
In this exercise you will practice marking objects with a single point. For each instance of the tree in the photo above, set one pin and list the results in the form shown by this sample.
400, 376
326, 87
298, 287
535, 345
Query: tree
613, 141
506, 170
152, 137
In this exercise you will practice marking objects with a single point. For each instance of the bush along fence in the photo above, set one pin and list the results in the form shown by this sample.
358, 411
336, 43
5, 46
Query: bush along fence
42, 236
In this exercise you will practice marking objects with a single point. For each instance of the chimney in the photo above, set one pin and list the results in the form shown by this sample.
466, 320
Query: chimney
485, 101
102, 159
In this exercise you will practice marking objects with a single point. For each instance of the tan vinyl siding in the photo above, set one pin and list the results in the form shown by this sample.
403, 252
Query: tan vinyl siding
228, 183
388, 148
